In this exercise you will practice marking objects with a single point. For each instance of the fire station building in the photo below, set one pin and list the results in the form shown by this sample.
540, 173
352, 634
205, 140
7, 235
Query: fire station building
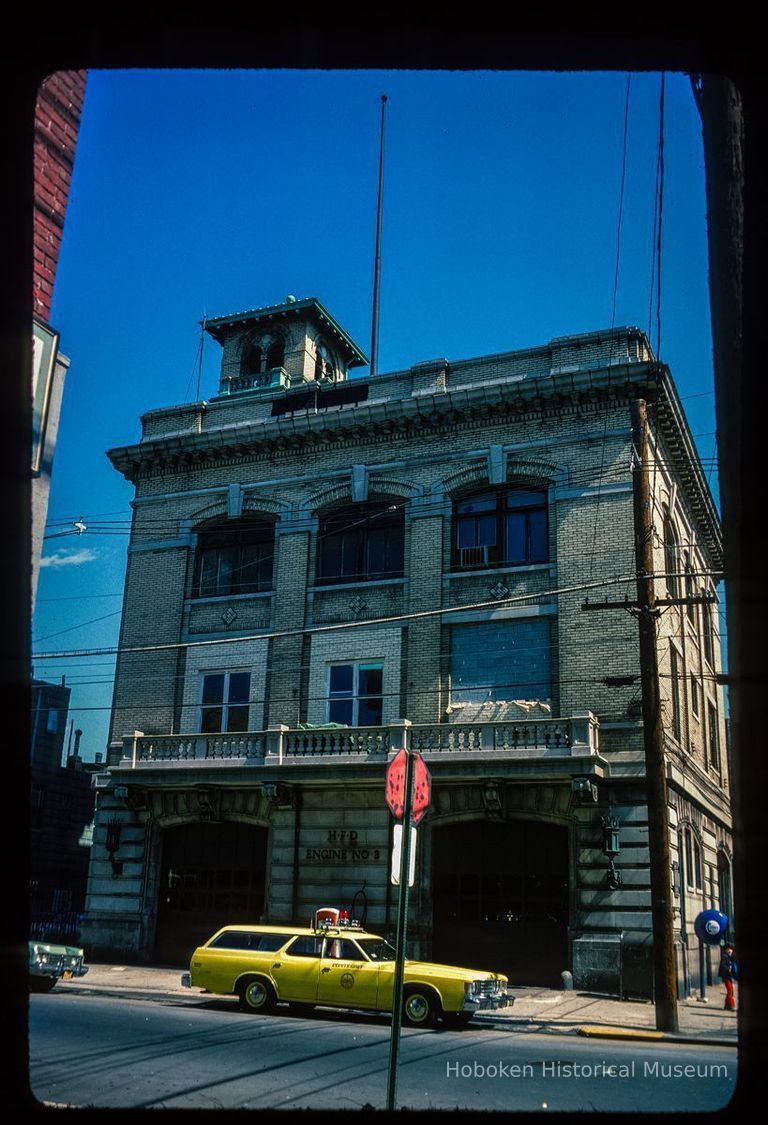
321, 567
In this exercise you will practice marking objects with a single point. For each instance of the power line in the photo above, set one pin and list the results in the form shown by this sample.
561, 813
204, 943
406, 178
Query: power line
337, 627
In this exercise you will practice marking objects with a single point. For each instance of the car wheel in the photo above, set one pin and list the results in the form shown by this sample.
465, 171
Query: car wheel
41, 984
257, 995
457, 1020
419, 1007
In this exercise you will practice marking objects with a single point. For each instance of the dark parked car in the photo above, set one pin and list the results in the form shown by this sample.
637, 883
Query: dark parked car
50, 963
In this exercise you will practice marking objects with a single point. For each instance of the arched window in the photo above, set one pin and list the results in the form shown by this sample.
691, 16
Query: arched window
724, 885
502, 526
234, 557
276, 354
324, 363
692, 860
690, 587
360, 543
708, 632
671, 556
252, 359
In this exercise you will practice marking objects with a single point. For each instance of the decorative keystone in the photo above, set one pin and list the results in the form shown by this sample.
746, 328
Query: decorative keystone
358, 607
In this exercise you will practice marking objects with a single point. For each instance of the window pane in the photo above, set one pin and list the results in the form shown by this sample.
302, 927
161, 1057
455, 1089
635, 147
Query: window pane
538, 536
370, 679
486, 531
340, 711
330, 556
350, 554
369, 712
237, 720
526, 498
213, 689
486, 503
376, 553
227, 573
341, 679
239, 687
516, 538
211, 720
254, 570
466, 533
209, 565
305, 947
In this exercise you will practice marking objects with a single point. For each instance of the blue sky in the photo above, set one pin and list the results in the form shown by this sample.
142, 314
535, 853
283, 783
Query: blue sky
209, 192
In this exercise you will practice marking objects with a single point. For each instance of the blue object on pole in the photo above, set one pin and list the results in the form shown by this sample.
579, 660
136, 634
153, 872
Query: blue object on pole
711, 926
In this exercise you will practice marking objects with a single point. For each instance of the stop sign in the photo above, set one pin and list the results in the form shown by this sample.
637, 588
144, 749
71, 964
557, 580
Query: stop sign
395, 786
422, 787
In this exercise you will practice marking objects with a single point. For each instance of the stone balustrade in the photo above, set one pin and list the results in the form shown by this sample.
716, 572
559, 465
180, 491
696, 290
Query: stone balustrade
519, 739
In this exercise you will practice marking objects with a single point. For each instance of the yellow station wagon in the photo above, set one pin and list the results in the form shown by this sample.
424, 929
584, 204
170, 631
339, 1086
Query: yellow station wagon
338, 966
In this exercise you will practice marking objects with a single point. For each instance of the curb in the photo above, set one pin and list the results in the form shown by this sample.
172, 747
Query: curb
482, 1020
597, 1032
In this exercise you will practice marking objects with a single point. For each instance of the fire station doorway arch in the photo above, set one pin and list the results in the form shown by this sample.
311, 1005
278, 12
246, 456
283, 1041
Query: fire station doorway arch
500, 898
211, 874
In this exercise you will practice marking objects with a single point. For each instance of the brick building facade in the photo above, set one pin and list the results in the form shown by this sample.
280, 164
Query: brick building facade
57, 122
320, 567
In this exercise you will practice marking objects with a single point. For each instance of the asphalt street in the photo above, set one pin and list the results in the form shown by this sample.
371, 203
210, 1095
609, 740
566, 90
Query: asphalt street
109, 1052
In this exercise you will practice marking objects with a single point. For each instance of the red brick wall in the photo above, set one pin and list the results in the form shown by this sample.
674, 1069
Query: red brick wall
57, 120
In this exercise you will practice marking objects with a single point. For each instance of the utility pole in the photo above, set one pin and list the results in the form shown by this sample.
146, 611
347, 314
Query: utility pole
665, 983
647, 610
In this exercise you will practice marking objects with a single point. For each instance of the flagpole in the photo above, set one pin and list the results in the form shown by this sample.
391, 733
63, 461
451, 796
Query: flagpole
377, 263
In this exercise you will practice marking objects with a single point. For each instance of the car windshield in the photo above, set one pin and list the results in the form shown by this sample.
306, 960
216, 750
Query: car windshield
377, 949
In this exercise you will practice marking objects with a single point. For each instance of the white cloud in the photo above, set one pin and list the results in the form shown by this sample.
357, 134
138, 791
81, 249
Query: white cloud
64, 558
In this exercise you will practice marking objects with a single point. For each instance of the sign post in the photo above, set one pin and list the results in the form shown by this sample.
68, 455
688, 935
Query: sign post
408, 807
710, 927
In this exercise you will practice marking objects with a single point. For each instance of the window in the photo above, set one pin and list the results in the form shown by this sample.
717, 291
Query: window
361, 543
275, 355
340, 949
674, 688
504, 660
306, 947
690, 589
236, 939
713, 737
252, 360
671, 556
697, 863
234, 558
695, 706
688, 858
224, 702
708, 633
692, 860
324, 365
505, 526
52, 724
355, 695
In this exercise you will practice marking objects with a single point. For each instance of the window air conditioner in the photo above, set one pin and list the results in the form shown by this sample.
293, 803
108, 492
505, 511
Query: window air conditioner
473, 556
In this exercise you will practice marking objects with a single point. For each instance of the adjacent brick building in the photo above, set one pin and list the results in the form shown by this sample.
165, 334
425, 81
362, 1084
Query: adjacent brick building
57, 122
319, 565
61, 818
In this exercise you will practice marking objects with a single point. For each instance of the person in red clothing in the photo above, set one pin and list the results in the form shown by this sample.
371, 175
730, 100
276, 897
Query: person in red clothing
728, 972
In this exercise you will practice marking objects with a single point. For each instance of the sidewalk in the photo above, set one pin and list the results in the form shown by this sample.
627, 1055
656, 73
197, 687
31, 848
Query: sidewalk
535, 1009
